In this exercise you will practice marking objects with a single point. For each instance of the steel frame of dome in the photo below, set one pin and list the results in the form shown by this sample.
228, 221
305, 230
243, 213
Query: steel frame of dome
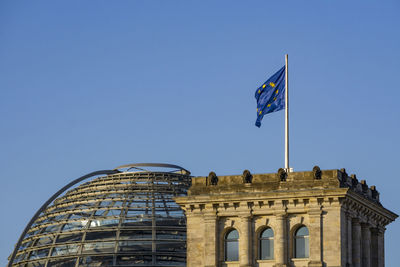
122, 219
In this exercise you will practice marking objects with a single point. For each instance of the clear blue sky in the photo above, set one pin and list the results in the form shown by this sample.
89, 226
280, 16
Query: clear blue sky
89, 85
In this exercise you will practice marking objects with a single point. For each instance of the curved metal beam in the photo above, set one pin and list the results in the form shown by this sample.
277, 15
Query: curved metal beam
151, 165
44, 206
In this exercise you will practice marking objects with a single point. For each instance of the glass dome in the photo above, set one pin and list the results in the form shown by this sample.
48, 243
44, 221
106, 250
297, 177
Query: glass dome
123, 219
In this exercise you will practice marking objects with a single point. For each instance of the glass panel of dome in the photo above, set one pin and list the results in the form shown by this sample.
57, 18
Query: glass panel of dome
171, 234
60, 217
113, 212
31, 233
138, 204
100, 247
69, 207
129, 246
52, 228
69, 237
176, 213
80, 215
171, 260
20, 257
118, 204
74, 225
100, 212
105, 222
132, 260
36, 254
135, 234
62, 263
161, 213
106, 203
173, 205
137, 222
133, 213
171, 221
25, 245
86, 205
100, 235
96, 261
171, 246
40, 263
71, 249
44, 240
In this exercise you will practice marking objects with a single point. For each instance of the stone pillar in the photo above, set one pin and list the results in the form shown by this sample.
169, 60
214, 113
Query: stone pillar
366, 245
349, 240
356, 242
280, 248
195, 239
315, 238
245, 242
210, 241
381, 247
374, 247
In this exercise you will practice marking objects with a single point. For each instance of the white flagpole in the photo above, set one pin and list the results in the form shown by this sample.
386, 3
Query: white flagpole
287, 168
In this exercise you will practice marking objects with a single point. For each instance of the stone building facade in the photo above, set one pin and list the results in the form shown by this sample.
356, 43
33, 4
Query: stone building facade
316, 218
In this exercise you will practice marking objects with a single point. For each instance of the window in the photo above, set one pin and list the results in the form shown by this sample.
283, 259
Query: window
266, 244
232, 246
301, 246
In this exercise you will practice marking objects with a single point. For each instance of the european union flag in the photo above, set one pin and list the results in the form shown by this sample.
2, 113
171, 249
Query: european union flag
270, 95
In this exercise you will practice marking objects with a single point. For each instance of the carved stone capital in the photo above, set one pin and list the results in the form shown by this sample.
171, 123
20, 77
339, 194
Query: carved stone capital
356, 221
281, 215
315, 211
245, 215
365, 225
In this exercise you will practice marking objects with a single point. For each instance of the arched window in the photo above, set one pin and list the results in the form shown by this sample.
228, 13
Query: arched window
266, 243
232, 246
301, 246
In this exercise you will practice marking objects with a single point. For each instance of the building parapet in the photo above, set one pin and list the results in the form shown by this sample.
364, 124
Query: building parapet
282, 181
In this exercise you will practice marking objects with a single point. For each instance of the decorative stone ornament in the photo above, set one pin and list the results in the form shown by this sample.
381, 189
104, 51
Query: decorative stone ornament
212, 178
317, 173
282, 174
247, 177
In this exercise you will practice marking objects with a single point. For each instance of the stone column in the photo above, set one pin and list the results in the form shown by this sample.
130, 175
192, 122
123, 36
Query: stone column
315, 238
381, 247
280, 248
366, 245
374, 247
245, 242
211, 241
356, 242
349, 240
195, 239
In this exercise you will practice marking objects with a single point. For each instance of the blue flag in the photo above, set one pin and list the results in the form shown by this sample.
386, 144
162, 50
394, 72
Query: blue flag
270, 95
